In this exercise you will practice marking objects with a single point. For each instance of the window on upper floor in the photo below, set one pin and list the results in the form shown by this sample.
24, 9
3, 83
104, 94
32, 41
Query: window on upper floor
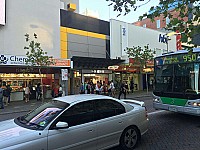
158, 24
167, 20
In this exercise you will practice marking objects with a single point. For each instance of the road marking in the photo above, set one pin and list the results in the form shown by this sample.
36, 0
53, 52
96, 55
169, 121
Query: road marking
156, 112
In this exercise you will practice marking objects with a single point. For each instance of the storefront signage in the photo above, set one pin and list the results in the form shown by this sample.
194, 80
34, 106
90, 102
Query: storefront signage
113, 67
2, 12
21, 60
62, 63
123, 31
163, 39
12, 60
64, 74
27, 70
124, 39
96, 71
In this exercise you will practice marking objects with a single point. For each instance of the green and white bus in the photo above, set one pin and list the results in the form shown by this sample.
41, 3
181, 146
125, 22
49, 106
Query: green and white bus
177, 82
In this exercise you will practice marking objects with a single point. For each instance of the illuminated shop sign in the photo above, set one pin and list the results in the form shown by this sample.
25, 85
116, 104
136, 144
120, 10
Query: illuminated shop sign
96, 71
21, 60
2, 12
113, 67
12, 60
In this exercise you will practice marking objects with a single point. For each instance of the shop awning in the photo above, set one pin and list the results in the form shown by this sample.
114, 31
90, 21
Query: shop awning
93, 63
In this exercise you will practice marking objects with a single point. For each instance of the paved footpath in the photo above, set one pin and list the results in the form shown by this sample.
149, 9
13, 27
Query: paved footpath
21, 106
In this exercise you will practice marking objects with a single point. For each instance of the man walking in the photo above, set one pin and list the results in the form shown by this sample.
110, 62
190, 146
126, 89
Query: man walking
122, 90
1, 98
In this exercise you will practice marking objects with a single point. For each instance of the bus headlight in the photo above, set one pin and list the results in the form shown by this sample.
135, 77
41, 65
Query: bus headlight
156, 99
195, 104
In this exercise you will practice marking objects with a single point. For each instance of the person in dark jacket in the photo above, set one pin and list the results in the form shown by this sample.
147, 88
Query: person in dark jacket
39, 92
122, 90
9, 89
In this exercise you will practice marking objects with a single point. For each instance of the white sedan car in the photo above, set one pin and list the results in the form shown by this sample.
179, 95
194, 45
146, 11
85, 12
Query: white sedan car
87, 122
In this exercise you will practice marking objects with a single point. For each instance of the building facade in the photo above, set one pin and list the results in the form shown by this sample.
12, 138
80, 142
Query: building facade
125, 35
29, 17
86, 41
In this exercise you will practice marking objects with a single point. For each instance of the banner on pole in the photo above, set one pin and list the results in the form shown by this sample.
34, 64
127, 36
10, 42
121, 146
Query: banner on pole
64, 74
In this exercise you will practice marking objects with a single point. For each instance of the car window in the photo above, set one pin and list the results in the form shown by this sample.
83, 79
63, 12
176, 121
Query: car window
106, 108
40, 117
78, 114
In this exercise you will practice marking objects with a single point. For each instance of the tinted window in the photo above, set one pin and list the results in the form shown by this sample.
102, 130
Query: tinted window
164, 78
107, 108
78, 114
184, 78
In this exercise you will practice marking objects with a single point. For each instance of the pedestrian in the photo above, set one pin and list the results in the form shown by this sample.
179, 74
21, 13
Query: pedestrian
126, 87
85, 87
52, 89
39, 92
104, 87
82, 91
5, 95
88, 88
1, 98
27, 94
56, 90
60, 93
9, 93
122, 90
92, 87
97, 87
132, 85
112, 88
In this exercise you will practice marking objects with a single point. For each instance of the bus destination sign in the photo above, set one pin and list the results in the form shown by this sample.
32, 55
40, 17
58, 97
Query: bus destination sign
178, 58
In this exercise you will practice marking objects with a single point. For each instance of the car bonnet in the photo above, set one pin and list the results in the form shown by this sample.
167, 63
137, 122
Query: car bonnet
8, 130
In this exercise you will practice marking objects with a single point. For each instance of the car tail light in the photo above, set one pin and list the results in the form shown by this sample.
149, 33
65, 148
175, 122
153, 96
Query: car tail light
146, 111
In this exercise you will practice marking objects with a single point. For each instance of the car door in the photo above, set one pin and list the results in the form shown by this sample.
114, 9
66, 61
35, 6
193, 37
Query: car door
110, 122
81, 133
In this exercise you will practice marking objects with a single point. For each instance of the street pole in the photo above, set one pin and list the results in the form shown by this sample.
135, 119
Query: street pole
167, 46
147, 83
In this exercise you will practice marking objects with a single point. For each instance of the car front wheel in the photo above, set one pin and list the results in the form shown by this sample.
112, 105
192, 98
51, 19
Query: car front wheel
129, 138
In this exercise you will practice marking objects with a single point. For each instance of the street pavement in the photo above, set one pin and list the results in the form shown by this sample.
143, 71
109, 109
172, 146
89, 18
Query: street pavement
21, 106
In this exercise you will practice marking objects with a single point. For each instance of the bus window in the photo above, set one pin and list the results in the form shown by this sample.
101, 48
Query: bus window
164, 78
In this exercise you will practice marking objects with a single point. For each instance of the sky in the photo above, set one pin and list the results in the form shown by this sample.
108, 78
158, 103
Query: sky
105, 12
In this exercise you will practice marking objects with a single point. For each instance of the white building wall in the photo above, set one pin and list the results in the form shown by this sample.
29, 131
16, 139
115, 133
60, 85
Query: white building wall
136, 36
31, 16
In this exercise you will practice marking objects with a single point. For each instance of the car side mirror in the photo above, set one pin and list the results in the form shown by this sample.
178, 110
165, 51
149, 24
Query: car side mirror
61, 125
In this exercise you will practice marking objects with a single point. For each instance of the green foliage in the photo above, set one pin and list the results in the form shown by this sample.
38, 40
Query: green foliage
35, 54
140, 55
185, 7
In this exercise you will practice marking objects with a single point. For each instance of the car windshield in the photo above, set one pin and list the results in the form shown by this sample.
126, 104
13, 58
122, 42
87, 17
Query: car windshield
40, 117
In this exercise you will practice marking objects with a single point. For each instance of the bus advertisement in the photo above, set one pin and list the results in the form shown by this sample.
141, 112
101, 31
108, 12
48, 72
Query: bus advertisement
177, 82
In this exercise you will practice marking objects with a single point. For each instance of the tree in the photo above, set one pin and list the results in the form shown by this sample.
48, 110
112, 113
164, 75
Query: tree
36, 56
141, 57
188, 29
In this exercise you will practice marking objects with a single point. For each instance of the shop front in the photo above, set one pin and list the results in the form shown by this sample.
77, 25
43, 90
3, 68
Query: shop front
15, 72
19, 77
136, 77
88, 69
126, 73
